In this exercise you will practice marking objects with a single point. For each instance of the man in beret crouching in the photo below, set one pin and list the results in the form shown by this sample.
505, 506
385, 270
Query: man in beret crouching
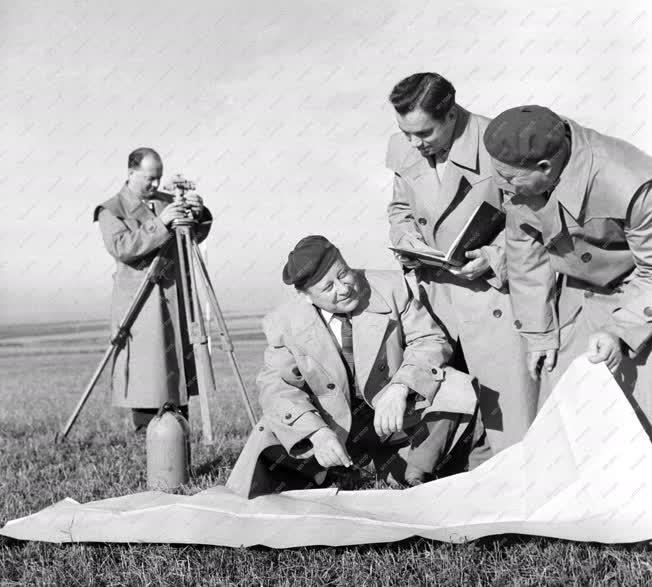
355, 372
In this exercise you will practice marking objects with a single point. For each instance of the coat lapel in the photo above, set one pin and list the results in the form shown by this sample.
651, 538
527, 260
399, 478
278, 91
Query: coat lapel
369, 331
134, 206
461, 173
573, 183
313, 337
570, 192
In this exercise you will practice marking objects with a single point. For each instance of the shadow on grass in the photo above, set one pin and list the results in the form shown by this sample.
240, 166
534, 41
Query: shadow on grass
503, 542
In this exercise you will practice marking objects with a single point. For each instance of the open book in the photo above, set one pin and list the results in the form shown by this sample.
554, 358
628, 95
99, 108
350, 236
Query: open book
481, 228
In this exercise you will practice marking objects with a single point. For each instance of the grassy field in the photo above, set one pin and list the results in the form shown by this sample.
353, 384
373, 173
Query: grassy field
42, 377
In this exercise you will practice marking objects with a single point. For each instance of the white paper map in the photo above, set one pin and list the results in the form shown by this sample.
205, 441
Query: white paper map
583, 472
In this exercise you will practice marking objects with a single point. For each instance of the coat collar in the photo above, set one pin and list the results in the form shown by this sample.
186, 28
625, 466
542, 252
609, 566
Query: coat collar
369, 328
466, 167
130, 201
464, 153
572, 188
464, 150
137, 207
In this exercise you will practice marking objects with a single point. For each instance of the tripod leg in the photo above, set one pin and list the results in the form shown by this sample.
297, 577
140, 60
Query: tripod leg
123, 331
205, 383
87, 392
227, 343
197, 330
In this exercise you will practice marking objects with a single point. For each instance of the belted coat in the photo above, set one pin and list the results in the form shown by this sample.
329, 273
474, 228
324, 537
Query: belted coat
477, 312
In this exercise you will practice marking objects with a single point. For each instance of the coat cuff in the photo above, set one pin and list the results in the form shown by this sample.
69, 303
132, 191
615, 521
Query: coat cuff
541, 341
634, 337
632, 323
293, 431
406, 236
423, 381
495, 255
456, 394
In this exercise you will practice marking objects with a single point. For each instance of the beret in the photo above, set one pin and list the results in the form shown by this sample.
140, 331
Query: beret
525, 135
309, 261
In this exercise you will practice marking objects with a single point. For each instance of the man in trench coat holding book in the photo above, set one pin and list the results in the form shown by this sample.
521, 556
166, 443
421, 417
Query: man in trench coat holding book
442, 172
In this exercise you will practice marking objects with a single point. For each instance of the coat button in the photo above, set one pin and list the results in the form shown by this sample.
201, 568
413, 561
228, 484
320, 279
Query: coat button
588, 294
648, 311
382, 367
517, 324
261, 428
586, 257
330, 386
423, 221
288, 416
434, 370
498, 313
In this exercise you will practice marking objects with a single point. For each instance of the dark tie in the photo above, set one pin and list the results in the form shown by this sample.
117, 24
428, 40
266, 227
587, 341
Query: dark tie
150, 205
347, 350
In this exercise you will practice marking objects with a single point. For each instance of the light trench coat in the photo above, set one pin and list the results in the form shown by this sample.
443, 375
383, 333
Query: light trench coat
303, 384
477, 313
582, 261
147, 371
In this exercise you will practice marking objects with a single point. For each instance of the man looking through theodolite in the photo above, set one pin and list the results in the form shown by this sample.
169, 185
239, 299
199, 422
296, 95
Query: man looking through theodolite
135, 224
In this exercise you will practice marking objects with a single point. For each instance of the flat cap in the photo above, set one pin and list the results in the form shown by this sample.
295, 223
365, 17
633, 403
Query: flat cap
525, 135
309, 261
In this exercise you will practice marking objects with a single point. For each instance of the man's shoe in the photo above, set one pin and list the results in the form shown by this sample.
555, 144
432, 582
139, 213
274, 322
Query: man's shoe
414, 476
393, 483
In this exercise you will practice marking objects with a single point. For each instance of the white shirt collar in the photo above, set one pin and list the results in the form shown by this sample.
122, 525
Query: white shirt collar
328, 316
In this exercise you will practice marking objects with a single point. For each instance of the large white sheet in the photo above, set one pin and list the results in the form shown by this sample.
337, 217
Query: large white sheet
583, 472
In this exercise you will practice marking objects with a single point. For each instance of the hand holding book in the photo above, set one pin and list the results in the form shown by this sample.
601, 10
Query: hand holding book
465, 251
476, 267
414, 244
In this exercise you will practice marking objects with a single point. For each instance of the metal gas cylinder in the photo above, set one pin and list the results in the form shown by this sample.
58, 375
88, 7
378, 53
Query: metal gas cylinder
168, 449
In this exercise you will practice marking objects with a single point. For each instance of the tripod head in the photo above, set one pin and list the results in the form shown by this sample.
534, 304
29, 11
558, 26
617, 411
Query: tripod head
178, 186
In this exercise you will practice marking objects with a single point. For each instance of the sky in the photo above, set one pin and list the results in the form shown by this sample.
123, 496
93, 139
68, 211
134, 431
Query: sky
279, 113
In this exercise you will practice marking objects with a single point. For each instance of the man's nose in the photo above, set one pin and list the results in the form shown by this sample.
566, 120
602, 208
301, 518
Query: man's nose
416, 141
342, 289
155, 183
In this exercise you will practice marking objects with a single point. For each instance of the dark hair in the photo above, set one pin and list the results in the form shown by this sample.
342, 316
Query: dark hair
431, 92
136, 157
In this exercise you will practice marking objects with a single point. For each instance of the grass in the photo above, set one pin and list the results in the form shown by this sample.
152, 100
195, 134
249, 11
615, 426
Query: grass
102, 458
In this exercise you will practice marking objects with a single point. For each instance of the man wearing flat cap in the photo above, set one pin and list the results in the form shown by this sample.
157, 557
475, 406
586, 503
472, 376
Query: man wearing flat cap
579, 246
355, 371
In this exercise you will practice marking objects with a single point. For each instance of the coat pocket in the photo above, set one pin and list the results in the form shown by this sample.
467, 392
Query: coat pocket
315, 376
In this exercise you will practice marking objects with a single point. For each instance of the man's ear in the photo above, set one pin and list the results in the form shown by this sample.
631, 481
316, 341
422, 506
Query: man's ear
304, 294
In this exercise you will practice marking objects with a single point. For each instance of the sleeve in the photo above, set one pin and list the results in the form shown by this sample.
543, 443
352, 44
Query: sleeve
632, 319
495, 254
532, 284
204, 224
426, 351
401, 215
127, 244
286, 405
